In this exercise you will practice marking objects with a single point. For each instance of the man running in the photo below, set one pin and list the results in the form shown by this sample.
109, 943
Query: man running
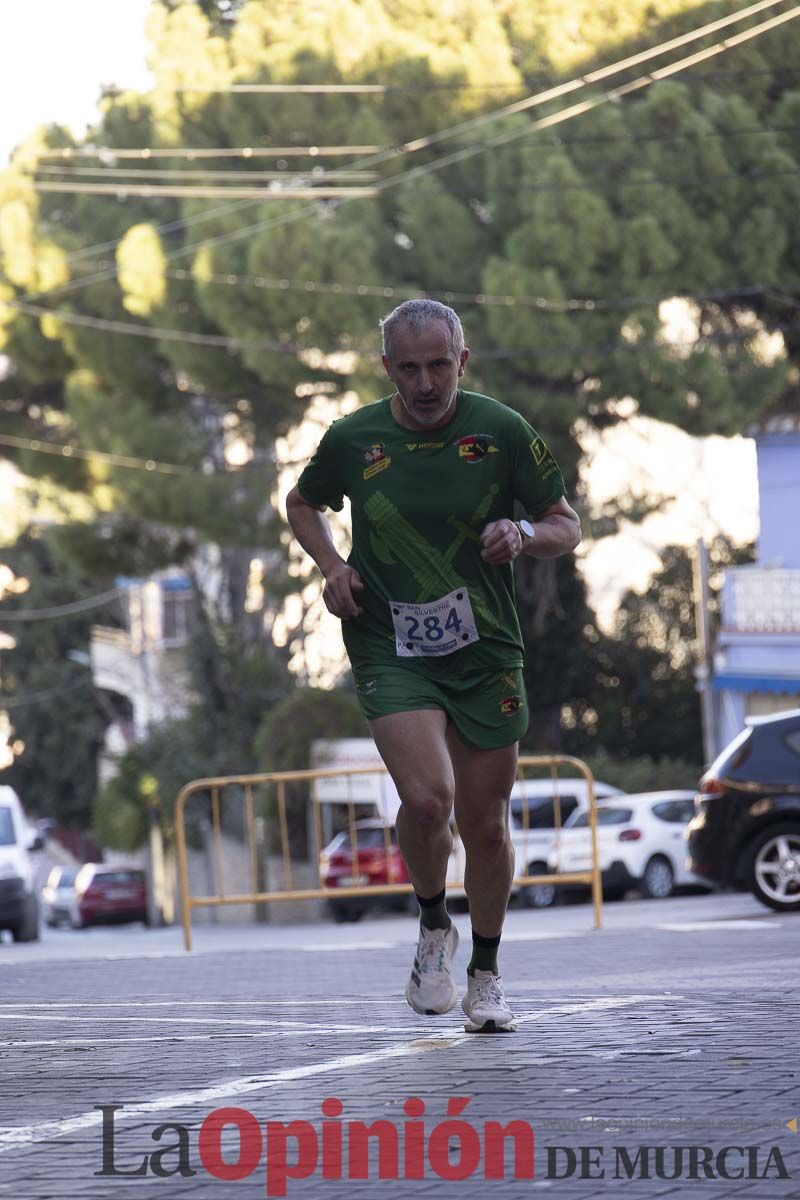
429, 623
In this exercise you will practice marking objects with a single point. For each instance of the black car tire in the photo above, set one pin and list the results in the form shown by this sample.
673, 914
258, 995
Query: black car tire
28, 928
658, 878
760, 851
537, 895
345, 914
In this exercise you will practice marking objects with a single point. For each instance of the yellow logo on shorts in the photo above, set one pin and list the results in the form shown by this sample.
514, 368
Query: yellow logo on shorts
511, 705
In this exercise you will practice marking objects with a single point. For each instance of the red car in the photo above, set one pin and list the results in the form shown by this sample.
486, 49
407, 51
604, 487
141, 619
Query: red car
108, 894
338, 868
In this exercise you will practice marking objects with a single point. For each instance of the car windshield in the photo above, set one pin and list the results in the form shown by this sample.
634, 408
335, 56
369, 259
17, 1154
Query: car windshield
542, 813
119, 877
605, 816
6, 827
676, 812
369, 839
65, 877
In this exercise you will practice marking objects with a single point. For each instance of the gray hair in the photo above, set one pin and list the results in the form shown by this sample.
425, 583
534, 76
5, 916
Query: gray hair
417, 315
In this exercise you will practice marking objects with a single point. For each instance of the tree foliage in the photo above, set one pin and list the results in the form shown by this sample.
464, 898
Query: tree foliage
57, 718
559, 245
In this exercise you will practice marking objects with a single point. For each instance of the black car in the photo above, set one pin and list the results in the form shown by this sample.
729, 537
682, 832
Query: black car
746, 827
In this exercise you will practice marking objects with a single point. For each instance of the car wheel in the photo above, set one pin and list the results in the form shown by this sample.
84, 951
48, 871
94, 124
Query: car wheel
345, 914
28, 928
658, 879
537, 895
774, 874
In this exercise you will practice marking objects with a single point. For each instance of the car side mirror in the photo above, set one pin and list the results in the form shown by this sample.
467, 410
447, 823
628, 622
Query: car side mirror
37, 843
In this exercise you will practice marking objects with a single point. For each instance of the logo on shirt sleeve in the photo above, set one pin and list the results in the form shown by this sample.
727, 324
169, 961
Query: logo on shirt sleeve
376, 460
543, 458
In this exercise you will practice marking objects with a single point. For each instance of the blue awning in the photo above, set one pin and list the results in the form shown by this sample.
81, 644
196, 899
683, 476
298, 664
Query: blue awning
789, 684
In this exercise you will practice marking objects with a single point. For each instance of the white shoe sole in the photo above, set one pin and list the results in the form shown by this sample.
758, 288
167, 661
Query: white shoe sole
431, 1012
491, 1026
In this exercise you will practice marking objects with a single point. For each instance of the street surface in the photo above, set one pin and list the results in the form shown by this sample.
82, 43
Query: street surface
674, 1026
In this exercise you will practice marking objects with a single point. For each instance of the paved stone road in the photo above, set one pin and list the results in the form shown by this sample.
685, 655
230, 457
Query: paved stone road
676, 1025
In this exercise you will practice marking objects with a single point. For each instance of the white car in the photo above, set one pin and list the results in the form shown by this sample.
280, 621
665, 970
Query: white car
19, 906
533, 833
640, 843
58, 895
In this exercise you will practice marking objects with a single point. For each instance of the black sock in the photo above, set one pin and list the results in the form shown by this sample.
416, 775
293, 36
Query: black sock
433, 911
484, 954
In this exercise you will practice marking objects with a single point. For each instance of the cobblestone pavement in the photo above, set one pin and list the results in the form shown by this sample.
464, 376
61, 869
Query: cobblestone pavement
675, 1026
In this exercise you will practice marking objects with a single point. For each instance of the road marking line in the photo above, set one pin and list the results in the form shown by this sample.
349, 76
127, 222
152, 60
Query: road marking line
697, 926
307, 1026
221, 1003
13, 1137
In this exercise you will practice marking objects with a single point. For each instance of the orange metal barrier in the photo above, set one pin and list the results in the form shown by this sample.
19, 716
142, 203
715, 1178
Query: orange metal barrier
214, 787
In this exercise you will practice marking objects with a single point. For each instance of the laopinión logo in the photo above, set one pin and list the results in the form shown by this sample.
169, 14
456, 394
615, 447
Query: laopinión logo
232, 1144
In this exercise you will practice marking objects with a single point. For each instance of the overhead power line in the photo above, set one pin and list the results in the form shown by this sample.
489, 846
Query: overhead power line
223, 341
584, 304
46, 694
542, 97
135, 173
191, 152
617, 182
69, 172
443, 85
60, 610
65, 450
158, 191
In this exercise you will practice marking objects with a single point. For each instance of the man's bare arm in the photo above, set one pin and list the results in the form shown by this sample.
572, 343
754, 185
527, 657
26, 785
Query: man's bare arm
558, 531
312, 530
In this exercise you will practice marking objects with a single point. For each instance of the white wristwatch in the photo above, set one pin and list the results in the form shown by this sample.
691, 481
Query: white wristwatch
526, 530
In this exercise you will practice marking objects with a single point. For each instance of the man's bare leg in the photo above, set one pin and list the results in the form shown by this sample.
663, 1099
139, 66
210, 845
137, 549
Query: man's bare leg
414, 747
483, 782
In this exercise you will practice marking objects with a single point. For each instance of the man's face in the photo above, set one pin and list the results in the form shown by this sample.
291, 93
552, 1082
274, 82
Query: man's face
425, 372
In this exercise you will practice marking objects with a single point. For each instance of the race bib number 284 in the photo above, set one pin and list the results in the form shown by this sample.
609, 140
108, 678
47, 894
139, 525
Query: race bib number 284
431, 630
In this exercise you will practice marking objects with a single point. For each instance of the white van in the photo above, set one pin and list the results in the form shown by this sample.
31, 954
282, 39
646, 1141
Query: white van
19, 906
533, 836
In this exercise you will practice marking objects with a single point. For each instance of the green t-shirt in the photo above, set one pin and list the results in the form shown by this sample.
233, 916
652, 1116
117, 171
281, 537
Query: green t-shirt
419, 502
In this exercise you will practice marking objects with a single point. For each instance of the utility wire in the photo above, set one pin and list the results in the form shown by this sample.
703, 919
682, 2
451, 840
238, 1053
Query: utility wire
47, 694
69, 172
60, 610
193, 152
470, 151
409, 147
122, 190
312, 173
485, 299
230, 343
156, 191
116, 460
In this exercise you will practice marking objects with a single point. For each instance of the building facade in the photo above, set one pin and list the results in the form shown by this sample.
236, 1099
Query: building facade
757, 653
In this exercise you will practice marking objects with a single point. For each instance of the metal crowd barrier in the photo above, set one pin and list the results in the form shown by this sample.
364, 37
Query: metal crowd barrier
246, 784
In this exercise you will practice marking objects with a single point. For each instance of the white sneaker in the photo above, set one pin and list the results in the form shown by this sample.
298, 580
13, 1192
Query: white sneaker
431, 990
486, 1006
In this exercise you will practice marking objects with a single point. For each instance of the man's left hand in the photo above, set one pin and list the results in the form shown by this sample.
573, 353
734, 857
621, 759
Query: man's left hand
501, 542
